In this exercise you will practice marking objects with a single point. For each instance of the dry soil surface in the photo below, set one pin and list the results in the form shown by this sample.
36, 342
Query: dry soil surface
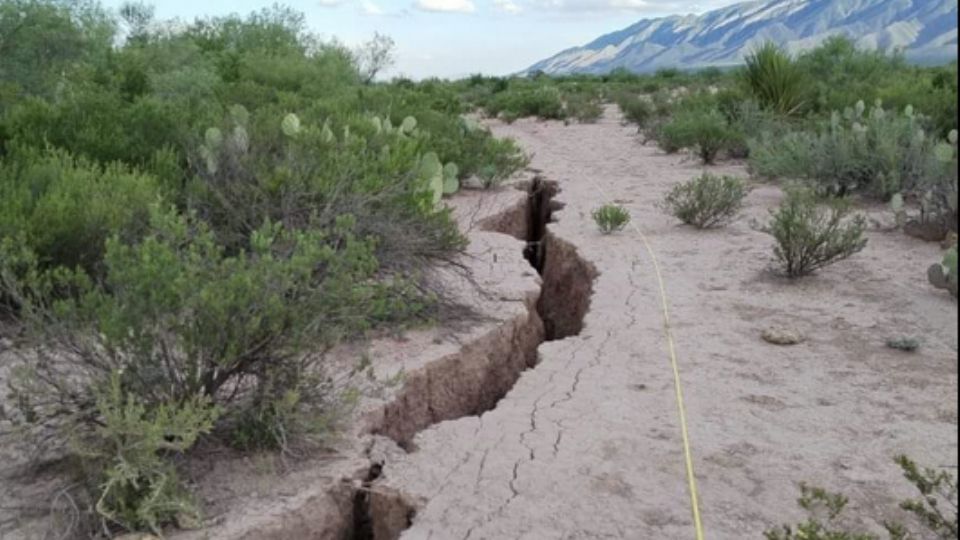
587, 443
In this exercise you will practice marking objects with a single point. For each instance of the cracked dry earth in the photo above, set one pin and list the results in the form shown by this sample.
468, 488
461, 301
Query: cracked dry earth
587, 443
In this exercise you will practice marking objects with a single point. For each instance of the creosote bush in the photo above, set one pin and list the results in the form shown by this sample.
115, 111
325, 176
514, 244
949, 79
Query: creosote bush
705, 131
636, 109
811, 234
611, 218
707, 200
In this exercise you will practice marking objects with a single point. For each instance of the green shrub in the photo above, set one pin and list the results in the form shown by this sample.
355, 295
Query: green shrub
65, 208
749, 122
370, 172
505, 159
841, 74
775, 80
705, 131
706, 201
877, 151
810, 235
543, 102
935, 511
585, 109
636, 109
138, 488
611, 218
906, 344
177, 318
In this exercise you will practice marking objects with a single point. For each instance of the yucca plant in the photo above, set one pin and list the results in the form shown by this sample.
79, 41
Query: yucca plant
774, 79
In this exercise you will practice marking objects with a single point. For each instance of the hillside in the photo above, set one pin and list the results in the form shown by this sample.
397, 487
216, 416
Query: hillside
926, 30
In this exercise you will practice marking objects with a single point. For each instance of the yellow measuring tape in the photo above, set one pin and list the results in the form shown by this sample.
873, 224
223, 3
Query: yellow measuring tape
672, 352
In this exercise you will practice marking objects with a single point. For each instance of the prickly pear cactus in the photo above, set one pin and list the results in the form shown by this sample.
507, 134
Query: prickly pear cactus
896, 204
239, 115
943, 275
213, 137
240, 139
431, 170
451, 182
326, 134
290, 125
408, 125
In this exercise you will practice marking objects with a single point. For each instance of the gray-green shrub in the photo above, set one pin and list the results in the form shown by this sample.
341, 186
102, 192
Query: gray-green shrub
704, 131
177, 318
811, 233
877, 151
636, 109
610, 218
584, 108
707, 200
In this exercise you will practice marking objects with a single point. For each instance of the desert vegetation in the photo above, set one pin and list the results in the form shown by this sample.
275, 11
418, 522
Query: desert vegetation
192, 215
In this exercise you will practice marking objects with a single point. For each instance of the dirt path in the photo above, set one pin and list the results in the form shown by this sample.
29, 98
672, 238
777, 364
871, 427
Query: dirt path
587, 444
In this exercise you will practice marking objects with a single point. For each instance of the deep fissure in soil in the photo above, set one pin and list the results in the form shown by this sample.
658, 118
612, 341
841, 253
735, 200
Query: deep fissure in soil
567, 278
566, 287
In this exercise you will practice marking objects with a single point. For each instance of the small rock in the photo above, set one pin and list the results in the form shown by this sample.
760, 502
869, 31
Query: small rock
782, 336
930, 232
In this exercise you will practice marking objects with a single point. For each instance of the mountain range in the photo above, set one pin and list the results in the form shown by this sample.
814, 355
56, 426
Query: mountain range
925, 30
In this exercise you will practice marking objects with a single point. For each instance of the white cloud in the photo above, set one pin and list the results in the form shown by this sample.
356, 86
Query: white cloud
598, 6
367, 7
629, 4
508, 6
330, 3
446, 6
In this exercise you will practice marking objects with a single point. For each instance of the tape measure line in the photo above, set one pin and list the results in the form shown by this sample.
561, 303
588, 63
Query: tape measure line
672, 352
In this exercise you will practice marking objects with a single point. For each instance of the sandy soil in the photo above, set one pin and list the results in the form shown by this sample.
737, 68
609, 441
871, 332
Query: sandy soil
587, 444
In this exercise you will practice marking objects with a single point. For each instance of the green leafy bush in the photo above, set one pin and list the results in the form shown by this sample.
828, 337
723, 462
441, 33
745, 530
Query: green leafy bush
775, 80
505, 159
636, 109
705, 131
65, 208
810, 235
935, 511
840, 74
542, 102
611, 218
706, 201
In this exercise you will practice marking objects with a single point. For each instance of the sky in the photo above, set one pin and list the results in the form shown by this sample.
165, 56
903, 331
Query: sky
455, 38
